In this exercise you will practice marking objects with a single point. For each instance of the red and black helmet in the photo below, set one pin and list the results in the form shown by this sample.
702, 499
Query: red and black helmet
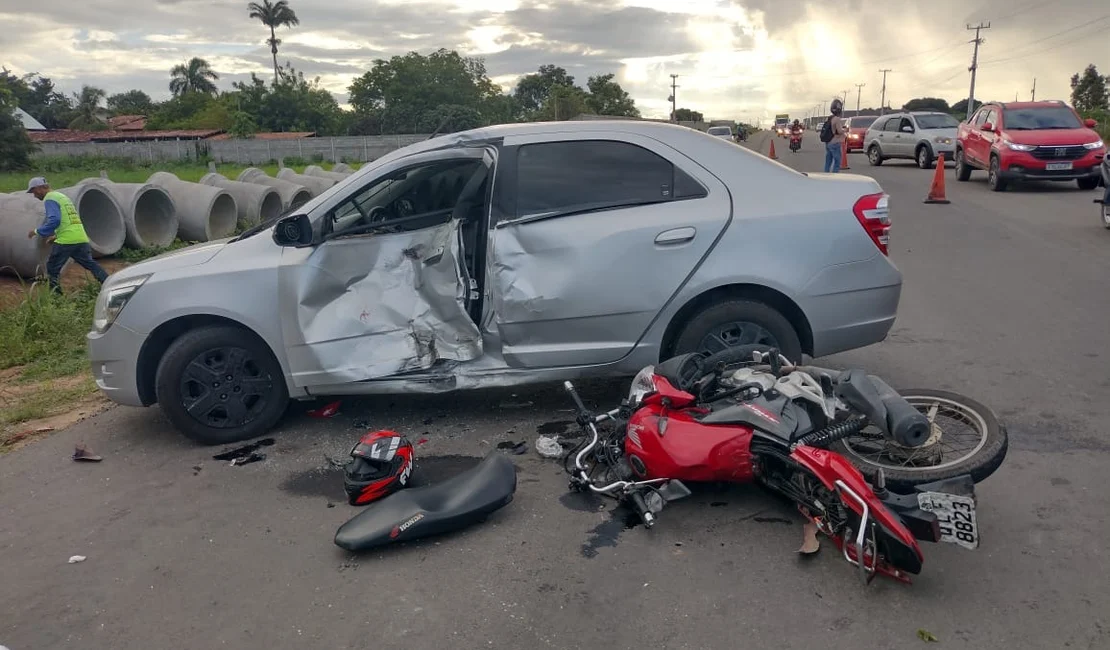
380, 464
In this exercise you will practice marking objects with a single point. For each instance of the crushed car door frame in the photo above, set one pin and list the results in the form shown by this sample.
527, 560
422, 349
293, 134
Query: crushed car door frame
362, 304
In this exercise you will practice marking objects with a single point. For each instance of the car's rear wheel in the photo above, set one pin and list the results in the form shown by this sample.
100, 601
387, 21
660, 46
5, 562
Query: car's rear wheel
994, 176
220, 384
738, 322
1087, 183
874, 155
963, 170
924, 157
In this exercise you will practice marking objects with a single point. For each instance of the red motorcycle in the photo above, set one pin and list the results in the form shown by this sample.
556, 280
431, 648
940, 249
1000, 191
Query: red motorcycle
747, 415
795, 140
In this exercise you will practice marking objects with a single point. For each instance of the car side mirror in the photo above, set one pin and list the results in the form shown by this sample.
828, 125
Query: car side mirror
987, 126
907, 129
294, 230
1089, 123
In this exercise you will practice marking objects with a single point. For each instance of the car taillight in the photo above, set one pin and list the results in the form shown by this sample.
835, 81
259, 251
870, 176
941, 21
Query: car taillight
872, 213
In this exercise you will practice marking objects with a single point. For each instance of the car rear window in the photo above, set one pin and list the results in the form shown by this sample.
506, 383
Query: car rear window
1035, 119
861, 122
585, 175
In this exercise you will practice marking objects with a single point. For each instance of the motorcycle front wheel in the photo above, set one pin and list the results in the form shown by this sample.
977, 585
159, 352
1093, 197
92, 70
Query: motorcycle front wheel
967, 438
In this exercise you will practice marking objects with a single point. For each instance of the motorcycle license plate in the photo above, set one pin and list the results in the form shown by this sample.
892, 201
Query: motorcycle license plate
956, 515
1060, 166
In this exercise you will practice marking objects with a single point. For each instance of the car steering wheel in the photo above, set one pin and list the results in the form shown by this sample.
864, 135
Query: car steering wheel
378, 214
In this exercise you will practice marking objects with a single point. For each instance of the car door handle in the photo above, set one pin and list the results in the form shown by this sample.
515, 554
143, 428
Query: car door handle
675, 236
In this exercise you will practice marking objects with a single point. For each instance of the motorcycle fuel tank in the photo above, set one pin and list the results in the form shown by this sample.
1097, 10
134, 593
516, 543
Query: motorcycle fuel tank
671, 444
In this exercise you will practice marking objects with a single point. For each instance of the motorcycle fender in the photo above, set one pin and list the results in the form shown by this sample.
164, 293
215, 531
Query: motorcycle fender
830, 467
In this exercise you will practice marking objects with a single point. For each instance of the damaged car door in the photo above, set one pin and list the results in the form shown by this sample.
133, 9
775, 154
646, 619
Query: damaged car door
591, 239
385, 290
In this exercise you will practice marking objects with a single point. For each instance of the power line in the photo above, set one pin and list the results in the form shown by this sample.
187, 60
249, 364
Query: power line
1051, 36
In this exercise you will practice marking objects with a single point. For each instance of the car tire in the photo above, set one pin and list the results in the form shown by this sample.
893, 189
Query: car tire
963, 170
770, 328
994, 176
235, 362
924, 157
1087, 183
875, 155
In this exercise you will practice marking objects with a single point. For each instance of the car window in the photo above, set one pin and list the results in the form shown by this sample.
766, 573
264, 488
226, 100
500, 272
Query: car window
992, 117
584, 175
719, 130
937, 121
1053, 117
892, 124
905, 122
980, 117
428, 189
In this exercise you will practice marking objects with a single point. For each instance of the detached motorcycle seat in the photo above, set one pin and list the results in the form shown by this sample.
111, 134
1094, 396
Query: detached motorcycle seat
418, 512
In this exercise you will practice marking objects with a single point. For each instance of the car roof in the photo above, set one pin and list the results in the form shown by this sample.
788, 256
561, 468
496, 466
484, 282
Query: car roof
1048, 103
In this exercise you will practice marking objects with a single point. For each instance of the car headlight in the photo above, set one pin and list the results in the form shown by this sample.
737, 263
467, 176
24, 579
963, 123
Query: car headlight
1020, 147
940, 140
1093, 145
643, 384
112, 300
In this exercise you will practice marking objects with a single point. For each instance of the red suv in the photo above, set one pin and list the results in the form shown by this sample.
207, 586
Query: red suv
1015, 141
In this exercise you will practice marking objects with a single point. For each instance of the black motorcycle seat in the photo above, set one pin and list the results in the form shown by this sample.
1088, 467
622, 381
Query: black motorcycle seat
411, 513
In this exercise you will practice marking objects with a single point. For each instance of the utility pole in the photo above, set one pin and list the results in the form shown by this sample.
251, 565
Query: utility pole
859, 90
882, 102
674, 99
1033, 96
974, 66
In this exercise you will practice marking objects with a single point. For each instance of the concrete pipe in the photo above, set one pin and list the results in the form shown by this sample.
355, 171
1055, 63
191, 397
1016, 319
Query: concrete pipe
21, 256
342, 168
204, 212
101, 216
315, 184
149, 214
293, 195
319, 172
255, 202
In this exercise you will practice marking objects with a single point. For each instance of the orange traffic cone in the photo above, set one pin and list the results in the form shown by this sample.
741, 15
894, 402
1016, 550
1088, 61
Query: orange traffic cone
844, 155
771, 154
936, 191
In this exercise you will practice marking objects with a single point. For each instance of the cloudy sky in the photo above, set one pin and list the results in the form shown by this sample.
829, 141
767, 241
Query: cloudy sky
740, 59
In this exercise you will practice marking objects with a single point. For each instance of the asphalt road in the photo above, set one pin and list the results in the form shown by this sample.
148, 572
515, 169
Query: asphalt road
1004, 300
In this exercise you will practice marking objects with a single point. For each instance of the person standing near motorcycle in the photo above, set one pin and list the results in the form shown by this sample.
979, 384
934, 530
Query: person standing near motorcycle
832, 134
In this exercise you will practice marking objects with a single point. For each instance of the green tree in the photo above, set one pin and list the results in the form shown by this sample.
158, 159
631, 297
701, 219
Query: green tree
274, 15
687, 115
608, 98
928, 104
180, 112
1088, 92
396, 94
565, 103
532, 91
194, 76
959, 109
243, 125
15, 146
36, 95
87, 109
292, 104
132, 102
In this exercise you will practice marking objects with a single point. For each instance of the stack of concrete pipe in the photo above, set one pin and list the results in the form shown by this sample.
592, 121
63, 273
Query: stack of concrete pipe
204, 212
255, 203
320, 172
20, 255
149, 214
315, 184
342, 168
100, 214
292, 195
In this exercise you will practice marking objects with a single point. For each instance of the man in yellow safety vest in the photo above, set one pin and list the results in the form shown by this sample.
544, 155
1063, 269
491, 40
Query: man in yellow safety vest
63, 228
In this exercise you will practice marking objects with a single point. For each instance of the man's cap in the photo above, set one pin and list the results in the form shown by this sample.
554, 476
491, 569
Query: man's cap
37, 181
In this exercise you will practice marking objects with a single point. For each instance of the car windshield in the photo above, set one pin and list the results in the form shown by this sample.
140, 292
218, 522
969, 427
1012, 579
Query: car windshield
861, 122
1035, 119
937, 121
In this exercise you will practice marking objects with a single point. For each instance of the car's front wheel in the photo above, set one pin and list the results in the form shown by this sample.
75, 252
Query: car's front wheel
738, 322
875, 155
963, 170
220, 384
924, 157
994, 176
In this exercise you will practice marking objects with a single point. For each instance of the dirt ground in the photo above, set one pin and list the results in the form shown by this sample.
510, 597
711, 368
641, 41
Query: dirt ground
73, 276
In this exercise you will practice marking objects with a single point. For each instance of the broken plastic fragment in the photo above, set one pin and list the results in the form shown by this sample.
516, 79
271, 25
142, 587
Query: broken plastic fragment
810, 543
326, 411
82, 453
548, 447
74, 559
517, 448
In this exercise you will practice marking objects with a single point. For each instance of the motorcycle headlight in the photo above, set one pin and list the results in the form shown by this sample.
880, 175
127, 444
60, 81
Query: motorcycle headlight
112, 300
1091, 146
643, 384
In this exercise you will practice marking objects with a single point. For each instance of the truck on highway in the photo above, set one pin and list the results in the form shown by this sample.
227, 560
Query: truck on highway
782, 125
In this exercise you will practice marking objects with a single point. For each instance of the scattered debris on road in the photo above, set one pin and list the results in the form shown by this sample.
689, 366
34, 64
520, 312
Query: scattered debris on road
926, 636
548, 447
517, 448
82, 453
77, 558
326, 411
245, 454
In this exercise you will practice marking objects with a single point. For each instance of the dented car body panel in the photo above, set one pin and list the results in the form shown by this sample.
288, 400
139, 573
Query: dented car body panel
487, 258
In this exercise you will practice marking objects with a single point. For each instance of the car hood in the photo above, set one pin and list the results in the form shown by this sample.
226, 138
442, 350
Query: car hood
1063, 137
180, 258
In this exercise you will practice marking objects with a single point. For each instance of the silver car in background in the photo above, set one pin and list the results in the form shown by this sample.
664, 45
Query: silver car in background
497, 257
724, 132
917, 135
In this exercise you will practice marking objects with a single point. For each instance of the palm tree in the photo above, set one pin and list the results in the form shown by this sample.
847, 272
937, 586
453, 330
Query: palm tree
86, 108
196, 76
274, 15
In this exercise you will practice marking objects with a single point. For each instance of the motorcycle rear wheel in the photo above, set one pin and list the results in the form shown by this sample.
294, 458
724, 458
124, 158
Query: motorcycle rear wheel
938, 459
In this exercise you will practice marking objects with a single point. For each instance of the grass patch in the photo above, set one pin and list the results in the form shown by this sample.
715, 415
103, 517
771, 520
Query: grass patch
48, 398
45, 333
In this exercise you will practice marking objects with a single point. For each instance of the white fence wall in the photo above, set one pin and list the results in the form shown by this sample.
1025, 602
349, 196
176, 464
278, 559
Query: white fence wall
245, 152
